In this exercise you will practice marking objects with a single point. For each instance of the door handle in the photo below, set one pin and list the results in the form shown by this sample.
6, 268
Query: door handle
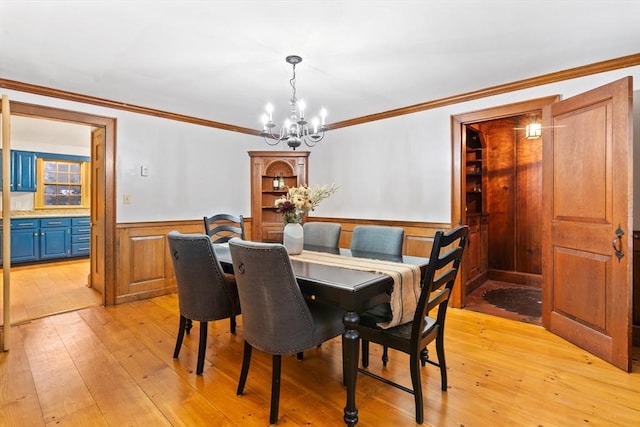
617, 243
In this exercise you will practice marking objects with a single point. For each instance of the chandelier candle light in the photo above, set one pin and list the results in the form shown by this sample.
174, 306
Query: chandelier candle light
295, 130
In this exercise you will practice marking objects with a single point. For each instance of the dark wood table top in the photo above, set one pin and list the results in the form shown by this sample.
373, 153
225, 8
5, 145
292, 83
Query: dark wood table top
350, 289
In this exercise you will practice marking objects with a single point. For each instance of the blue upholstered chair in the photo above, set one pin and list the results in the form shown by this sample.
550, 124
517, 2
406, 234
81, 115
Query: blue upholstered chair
205, 293
276, 318
385, 241
377, 239
324, 234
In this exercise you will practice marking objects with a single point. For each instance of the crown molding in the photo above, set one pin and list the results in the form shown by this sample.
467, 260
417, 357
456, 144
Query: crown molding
571, 73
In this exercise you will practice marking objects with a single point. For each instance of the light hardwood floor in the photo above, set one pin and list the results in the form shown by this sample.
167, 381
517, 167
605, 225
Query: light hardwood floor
44, 289
113, 366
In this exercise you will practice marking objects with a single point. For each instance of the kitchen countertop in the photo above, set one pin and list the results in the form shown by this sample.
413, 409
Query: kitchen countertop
48, 213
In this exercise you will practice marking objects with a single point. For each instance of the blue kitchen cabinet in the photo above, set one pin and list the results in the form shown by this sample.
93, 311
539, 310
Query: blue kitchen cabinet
80, 236
55, 238
23, 171
25, 240
34, 239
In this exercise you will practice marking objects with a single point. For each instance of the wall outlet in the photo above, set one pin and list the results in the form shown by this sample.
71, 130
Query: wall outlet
144, 170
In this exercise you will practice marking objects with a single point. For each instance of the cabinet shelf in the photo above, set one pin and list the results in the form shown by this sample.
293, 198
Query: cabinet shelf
474, 172
267, 223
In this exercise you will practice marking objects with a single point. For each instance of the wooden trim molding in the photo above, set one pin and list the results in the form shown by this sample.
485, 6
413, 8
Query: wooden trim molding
571, 73
93, 100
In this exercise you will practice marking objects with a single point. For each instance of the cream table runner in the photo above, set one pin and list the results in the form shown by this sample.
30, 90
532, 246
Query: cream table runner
406, 280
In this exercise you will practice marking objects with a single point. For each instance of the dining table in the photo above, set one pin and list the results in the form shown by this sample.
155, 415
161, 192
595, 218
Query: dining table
350, 289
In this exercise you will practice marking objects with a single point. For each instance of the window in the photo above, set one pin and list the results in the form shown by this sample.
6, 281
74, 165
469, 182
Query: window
62, 184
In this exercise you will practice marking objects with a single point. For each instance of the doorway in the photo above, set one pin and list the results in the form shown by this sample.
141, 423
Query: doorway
504, 211
44, 287
499, 190
102, 196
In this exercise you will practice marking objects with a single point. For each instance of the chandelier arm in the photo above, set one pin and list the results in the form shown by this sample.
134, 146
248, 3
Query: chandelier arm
276, 138
315, 139
274, 141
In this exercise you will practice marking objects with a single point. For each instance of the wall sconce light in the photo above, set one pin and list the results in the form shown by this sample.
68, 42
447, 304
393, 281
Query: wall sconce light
533, 130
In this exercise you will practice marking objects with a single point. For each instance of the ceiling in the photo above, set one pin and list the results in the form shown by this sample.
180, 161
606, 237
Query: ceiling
224, 60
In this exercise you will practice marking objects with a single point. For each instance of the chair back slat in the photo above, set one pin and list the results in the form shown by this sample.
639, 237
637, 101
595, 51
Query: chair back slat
440, 276
222, 227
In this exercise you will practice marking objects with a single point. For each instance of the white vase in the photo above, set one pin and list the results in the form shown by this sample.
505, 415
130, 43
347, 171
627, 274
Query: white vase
293, 238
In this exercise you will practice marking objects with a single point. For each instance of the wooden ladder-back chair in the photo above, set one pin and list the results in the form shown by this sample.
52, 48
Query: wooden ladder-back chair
412, 338
222, 227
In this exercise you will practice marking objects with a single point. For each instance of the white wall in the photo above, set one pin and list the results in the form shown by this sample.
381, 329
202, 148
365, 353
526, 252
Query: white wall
398, 169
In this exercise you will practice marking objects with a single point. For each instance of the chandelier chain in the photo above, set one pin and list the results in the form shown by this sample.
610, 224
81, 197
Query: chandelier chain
292, 82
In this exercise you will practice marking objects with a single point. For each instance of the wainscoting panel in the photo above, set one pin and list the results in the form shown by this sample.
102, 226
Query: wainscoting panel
145, 270
143, 262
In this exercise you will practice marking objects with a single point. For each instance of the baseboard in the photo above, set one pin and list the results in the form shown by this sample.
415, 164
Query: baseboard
525, 279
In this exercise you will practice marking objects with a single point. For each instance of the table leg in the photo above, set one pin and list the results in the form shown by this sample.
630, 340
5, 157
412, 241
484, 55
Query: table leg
350, 350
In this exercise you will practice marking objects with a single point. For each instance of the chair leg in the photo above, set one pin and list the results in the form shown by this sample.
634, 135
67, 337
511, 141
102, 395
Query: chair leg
365, 353
385, 355
202, 347
183, 323
232, 324
441, 360
189, 326
246, 361
424, 356
414, 361
275, 388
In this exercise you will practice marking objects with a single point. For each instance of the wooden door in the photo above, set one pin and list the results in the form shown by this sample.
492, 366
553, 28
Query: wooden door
98, 255
587, 225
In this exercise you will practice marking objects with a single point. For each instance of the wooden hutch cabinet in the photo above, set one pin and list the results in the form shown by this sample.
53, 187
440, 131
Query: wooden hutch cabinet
292, 166
475, 203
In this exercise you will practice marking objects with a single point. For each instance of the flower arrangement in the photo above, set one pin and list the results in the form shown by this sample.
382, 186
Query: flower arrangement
301, 200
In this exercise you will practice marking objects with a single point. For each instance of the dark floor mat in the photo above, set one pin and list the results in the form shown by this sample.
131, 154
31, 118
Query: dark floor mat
524, 301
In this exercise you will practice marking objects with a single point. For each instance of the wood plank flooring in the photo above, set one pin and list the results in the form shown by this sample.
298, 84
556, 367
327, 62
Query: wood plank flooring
113, 366
44, 289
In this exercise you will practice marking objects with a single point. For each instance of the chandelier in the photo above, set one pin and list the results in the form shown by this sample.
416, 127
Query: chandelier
295, 129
